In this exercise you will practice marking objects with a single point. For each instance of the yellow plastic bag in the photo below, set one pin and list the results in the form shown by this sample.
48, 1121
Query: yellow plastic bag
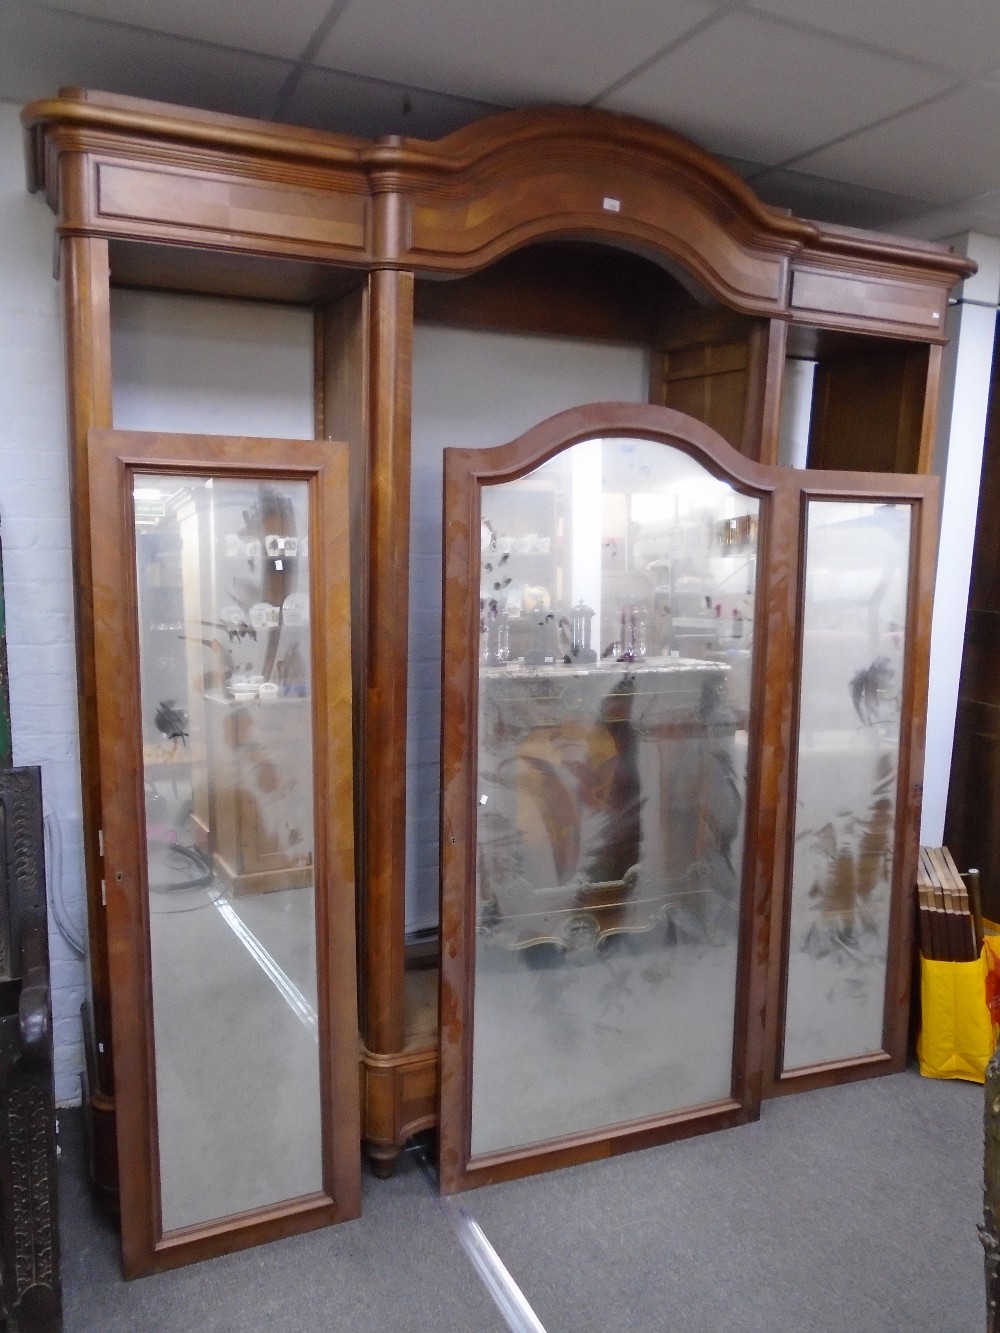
956, 1031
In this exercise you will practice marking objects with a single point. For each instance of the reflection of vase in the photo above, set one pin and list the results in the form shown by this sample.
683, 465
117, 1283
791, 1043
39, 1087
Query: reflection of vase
581, 617
633, 633
497, 639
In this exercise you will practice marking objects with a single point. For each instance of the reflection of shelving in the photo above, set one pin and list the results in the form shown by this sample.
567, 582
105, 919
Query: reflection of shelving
257, 815
597, 788
161, 616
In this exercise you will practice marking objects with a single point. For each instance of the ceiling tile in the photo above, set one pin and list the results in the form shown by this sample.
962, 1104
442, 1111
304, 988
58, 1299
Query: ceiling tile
752, 87
987, 205
249, 25
327, 100
945, 151
520, 50
42, 51
943, 224
835, 201
964, 37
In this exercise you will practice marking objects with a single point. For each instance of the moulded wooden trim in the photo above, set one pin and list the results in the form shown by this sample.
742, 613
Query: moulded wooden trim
856, 249
603, 1144
526, 176
460, 203
507, 461
557, 132
113, 455
86, 110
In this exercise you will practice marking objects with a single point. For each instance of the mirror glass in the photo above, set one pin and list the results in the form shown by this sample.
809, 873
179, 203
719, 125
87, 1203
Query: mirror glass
853, 646
617, 611
222, 569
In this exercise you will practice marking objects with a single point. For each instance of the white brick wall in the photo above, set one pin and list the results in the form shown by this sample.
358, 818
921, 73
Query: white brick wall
34, 529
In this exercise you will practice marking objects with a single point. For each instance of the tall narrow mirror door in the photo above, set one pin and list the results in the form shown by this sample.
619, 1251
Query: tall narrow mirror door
234, 882
856, 632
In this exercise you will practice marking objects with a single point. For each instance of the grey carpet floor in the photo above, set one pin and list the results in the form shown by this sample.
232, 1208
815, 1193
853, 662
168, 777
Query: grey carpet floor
842, 1211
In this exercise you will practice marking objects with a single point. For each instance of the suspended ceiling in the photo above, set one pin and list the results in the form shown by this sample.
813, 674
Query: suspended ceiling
880, 113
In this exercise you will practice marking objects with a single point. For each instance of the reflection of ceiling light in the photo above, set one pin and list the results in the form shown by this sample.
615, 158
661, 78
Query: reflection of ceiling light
147, 493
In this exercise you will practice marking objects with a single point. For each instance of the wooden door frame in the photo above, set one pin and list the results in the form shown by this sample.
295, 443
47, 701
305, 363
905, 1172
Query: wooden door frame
921, 494
466, 471
113, 457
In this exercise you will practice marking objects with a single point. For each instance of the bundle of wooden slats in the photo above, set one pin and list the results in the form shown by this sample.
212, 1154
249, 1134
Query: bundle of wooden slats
949, 911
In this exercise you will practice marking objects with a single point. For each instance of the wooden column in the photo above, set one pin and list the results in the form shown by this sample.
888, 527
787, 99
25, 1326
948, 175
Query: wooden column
391, 315
761, 423
387, 1068
87, 319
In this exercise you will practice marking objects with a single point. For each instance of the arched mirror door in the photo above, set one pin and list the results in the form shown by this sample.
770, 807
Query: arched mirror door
602, 609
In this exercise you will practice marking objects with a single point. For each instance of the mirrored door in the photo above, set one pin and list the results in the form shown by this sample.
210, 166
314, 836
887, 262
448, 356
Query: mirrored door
597, 868
857, 747
223, 634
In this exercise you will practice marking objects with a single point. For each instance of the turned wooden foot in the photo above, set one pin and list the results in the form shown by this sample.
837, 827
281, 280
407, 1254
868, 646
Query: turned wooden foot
382, 1159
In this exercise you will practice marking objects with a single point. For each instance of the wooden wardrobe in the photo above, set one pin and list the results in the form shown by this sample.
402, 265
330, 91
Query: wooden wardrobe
553, 223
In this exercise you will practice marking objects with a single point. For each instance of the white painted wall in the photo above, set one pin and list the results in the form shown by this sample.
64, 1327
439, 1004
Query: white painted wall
34, 528
474, 389
958, 461
211, 366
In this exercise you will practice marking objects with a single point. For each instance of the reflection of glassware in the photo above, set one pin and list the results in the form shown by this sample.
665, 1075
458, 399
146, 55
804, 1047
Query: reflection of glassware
633, 633
295, 609
581, 617
277, 546
497, 638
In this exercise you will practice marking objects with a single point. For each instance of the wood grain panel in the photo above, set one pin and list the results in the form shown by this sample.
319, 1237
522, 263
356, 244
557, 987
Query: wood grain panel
612, 202
559, 289
916, 305
868, 408
241, 211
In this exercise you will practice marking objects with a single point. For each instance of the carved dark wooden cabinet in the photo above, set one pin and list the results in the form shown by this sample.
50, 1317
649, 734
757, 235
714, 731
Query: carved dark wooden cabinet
30, 1284
558, 224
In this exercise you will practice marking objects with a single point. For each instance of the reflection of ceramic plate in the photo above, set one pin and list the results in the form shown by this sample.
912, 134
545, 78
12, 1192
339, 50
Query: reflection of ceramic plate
295, 609
231, 616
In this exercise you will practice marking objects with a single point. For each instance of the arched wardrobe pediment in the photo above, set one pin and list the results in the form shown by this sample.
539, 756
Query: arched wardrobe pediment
459, 293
